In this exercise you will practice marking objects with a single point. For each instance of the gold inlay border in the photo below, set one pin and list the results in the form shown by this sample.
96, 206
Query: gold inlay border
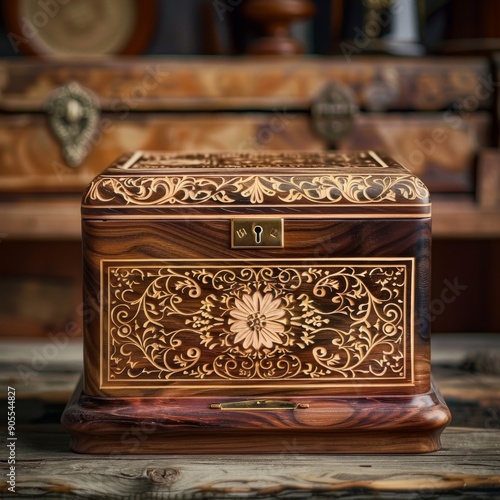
408, 295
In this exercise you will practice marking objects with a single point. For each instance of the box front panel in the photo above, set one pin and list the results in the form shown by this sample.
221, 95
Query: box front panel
340, 309
300, 324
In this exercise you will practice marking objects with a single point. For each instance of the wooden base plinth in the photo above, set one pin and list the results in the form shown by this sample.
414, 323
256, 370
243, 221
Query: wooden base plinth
354, 424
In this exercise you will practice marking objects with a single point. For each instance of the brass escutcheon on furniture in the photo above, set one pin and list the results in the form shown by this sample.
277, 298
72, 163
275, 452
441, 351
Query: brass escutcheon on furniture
73, 114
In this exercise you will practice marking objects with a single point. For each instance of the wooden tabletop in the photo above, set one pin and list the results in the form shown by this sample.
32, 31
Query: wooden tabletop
468, 466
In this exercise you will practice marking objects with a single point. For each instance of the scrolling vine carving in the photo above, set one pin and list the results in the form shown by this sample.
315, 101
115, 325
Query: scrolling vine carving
253, 189
168, 321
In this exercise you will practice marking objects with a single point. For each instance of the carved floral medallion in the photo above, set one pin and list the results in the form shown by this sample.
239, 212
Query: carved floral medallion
257, 320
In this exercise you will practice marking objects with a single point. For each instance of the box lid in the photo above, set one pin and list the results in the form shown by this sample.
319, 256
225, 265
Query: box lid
343, 184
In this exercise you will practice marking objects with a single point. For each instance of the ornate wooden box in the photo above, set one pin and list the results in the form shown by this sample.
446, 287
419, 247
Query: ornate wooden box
249, 303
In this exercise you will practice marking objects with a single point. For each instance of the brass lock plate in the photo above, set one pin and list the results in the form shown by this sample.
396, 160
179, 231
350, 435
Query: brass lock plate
256, 233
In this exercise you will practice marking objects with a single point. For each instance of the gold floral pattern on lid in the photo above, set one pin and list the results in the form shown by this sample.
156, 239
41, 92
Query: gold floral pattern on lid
328, 189
170, 182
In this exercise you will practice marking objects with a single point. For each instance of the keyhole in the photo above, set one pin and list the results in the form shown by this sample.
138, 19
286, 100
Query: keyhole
258, 234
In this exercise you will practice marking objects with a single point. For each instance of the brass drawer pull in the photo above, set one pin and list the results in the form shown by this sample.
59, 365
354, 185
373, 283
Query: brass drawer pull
259, 404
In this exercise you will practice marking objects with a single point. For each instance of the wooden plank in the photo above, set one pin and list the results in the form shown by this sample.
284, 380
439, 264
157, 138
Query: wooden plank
468, 465
378, 83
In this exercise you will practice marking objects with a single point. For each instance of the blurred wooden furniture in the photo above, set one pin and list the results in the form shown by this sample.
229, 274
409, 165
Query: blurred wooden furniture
467, 466
437, 116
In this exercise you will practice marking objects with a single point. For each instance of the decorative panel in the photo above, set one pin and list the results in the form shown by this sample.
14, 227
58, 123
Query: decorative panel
294, 323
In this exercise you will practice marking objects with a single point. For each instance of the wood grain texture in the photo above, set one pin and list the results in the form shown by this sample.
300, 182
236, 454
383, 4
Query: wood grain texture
129, 240
397, 424
466, 467
439, 151
440, 148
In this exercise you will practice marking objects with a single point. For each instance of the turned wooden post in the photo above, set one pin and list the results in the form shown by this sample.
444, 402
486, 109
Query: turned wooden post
276, 16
